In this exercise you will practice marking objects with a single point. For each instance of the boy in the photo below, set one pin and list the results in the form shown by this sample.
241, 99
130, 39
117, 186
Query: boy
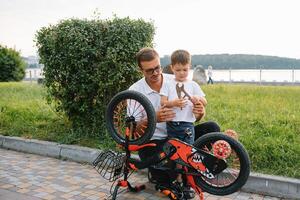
181, 94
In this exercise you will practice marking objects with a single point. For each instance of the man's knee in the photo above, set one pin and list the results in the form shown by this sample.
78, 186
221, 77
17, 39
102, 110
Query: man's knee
213, 126
206, 127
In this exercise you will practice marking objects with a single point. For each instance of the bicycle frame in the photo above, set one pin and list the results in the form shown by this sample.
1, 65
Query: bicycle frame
203, 163
177, 151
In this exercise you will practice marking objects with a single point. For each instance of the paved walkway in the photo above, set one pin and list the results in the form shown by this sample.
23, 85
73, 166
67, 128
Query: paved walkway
32, 177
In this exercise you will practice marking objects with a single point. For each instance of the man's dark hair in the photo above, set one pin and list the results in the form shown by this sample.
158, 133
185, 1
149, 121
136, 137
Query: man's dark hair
146, 54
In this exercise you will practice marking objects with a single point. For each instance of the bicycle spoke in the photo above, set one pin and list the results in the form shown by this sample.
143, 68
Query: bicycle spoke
230, 174
129, 108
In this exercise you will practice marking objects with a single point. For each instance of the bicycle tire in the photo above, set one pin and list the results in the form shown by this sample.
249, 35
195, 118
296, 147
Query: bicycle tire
241, 153
147, 108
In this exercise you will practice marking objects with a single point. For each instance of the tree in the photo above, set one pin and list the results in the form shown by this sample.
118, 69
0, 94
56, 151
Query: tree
87, 62
12, 67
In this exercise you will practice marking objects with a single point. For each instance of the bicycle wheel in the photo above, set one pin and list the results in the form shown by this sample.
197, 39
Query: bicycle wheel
237, 159
130, 111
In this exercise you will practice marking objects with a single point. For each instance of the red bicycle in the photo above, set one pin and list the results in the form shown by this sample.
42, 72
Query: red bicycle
215, 163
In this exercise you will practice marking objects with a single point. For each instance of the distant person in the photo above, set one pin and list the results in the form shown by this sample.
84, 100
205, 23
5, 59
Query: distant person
209, 73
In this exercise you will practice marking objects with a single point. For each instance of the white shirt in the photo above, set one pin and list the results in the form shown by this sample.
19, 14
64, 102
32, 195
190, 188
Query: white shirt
143, 87
209, 72
192, 88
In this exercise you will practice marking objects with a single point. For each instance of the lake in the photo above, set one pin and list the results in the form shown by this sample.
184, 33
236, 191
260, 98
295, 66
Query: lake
265, 75
245, 75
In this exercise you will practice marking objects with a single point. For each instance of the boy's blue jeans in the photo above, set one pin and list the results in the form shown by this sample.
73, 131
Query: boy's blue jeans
181, 130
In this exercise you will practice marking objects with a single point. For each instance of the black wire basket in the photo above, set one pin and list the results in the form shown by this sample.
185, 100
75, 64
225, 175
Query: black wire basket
110, 165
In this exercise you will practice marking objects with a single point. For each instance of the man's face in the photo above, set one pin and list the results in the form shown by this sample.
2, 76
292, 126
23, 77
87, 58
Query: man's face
152, 70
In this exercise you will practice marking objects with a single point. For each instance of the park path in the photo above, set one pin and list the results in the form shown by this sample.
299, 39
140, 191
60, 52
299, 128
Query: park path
33, 177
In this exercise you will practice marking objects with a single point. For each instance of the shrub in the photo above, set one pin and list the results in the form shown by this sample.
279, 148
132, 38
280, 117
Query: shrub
12, 67
87, 62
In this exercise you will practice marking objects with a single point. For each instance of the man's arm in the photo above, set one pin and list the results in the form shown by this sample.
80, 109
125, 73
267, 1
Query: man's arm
195, 99
199, 110
165, 114
199, 101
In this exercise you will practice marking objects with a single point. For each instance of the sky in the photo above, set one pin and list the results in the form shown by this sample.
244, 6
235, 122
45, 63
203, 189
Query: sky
261, 27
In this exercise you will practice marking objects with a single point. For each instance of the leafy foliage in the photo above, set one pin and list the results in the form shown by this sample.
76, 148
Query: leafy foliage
87, 62
12, 67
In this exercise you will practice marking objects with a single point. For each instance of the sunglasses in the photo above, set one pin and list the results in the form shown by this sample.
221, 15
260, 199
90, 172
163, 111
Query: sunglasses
152, 70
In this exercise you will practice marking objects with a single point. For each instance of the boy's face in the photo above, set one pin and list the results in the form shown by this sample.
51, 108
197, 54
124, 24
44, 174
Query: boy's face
181, 71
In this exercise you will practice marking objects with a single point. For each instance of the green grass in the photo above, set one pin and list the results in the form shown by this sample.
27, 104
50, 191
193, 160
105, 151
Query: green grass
25, 113
267, 119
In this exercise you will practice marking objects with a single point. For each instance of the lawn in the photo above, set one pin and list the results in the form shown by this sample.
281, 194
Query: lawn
267, 119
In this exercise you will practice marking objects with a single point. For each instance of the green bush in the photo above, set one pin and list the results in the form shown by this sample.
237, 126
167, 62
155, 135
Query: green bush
87, 62
12, 67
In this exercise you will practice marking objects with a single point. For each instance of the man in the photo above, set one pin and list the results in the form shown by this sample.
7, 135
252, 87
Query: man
150, 85
149, 63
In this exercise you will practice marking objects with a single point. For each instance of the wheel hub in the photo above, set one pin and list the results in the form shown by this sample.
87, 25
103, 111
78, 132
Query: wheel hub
221, 149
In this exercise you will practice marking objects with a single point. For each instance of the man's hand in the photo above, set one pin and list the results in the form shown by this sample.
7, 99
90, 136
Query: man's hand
198, 110
165, 114
195, 99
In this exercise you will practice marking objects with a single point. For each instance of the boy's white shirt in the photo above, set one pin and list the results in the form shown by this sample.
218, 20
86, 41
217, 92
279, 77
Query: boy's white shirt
192, 88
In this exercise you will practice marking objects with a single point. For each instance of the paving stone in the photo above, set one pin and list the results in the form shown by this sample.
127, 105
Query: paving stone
33, 177
41, 194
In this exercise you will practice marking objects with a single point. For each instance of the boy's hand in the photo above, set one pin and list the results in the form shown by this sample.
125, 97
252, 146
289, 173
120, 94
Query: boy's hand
165, 114
181, 103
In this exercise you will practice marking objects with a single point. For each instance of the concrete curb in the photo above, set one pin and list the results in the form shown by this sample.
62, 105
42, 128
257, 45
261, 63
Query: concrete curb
79, 154
51, 149
258, 183
273, 185
31, 146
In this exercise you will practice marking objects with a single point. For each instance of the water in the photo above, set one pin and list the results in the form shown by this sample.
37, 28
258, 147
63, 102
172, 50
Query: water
33, 73
267, 75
